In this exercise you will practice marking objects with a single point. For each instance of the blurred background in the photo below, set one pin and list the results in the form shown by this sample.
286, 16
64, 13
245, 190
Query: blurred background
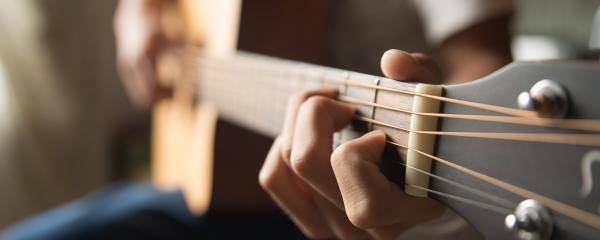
67, 126
64, 111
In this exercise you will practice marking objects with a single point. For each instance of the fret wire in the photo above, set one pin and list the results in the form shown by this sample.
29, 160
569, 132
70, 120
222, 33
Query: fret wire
437, 193
565, 209
578, 139
488, 107
576, 124
483, 106
223, 82
373, 108
343, 92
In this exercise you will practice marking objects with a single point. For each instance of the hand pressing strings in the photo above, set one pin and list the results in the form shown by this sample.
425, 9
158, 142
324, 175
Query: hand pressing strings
341, 193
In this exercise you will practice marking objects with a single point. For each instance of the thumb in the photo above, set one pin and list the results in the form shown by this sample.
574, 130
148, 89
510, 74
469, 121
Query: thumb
400, 65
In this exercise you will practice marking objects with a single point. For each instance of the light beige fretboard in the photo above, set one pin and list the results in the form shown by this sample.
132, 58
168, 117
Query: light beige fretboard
252, 90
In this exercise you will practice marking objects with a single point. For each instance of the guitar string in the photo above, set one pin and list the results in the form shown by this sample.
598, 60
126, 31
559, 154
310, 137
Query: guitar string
483, 106
573, 139
504, 206
488, 107
500, 210
505, 209
575, 124
570, 139
498, 200
459, 198
560, 207
565, 209
505, 203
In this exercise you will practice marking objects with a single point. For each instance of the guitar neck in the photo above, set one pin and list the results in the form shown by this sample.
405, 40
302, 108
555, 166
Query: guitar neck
252, 90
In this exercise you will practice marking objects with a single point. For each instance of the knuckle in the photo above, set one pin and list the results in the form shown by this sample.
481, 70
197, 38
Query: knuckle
286, 150
363, 214
301, 161
315, 104
342, 153
267, 179
299, 98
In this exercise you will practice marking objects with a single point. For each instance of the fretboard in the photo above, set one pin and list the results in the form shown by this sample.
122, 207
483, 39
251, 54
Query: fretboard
252, 90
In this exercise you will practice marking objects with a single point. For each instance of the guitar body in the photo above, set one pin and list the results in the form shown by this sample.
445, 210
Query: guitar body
184, 131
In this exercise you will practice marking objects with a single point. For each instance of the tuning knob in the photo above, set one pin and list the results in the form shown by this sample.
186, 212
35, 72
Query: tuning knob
547, 98
526, 101
530, 221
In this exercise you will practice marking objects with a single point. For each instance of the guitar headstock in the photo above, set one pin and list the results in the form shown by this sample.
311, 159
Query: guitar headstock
562, 170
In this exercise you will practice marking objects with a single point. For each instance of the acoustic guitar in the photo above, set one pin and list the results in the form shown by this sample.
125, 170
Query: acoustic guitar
512, 153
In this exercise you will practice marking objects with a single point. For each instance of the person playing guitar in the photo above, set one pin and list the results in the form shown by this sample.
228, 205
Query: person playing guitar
299, 180
321, 189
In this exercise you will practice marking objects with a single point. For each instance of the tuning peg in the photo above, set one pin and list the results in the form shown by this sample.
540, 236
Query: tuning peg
547, 98
526, 101
530, 221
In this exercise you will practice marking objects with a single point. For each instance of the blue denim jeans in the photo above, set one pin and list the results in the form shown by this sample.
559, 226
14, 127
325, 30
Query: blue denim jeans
139, 211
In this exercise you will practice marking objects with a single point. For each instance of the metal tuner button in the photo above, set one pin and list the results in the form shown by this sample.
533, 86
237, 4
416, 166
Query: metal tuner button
530, 221
547, 98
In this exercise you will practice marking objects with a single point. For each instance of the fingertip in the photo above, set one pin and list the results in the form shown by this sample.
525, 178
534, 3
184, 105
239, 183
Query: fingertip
349, 108
398, 65
329, 92
376, 135
394, 51
343, 109
420, 58
345, 112
370, 146
376, 132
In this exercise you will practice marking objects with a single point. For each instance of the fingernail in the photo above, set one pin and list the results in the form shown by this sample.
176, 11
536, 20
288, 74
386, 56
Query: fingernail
376, 132
395, 52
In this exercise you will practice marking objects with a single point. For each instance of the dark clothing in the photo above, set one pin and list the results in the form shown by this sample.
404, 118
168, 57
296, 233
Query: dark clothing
139, 211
